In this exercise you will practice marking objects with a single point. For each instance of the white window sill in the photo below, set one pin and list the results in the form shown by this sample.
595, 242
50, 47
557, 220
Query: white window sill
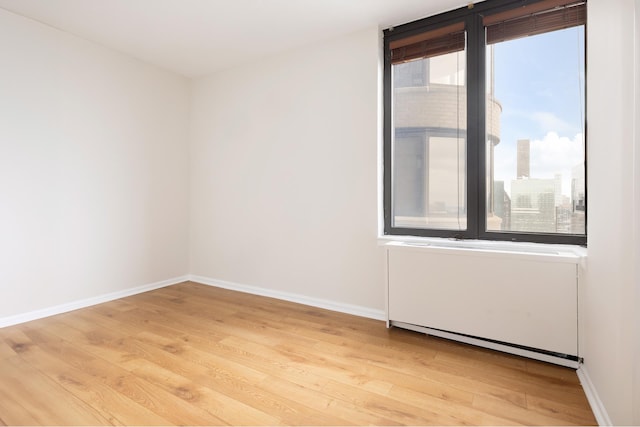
559, 253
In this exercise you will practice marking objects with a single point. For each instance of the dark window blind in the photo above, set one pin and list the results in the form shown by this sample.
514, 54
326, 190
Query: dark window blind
538, 18
428, 44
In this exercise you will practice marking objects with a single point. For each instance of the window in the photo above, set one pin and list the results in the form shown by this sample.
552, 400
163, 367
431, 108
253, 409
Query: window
484, 123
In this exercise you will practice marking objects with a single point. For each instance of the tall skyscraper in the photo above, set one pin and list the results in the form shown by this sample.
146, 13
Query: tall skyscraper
523, 161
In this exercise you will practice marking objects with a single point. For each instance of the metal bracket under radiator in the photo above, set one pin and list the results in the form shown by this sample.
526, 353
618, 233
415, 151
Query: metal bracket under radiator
544, 356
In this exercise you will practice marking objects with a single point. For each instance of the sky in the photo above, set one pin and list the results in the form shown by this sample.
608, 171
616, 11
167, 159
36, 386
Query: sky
539, 81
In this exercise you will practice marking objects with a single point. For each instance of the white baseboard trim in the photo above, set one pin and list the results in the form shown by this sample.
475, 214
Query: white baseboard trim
356, 310
75, 305
599, 411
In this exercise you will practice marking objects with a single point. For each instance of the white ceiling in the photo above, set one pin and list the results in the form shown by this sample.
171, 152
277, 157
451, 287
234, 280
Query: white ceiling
197, 37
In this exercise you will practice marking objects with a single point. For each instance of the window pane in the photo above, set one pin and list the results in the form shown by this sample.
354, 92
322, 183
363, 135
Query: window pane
429, 143
535, 134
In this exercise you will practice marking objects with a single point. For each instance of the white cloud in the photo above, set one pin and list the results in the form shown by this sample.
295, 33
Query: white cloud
550, 155
556, 154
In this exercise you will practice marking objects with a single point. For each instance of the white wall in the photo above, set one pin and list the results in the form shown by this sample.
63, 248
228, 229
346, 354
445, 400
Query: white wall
636, 179
284, 173
610, 330
93, 169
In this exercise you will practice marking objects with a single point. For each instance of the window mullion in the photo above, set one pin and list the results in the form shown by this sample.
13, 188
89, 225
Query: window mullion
475, 125
388, 127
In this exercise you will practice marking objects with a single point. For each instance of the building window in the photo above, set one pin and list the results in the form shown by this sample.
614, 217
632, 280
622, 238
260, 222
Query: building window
484, 123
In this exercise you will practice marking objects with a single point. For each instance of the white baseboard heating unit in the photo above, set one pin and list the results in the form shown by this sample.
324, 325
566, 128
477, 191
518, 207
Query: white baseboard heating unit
524, 303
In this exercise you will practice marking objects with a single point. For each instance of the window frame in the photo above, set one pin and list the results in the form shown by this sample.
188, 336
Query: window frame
476, 197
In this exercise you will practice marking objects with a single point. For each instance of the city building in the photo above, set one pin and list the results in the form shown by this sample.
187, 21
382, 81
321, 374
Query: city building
533, 205
523, 159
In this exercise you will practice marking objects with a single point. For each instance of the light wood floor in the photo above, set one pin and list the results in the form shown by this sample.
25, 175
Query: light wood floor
193, 354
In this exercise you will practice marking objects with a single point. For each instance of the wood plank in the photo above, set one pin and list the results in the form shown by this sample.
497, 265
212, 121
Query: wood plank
210, 372
39, 398
324, 403
6, 350
552, 372
224, 408
401, 412
431, 378
115, 407
213, 373
518, 382
115, 376
568, 412
515, 413
465, 414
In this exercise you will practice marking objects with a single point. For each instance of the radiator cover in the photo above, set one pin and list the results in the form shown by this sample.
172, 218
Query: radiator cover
523, 299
